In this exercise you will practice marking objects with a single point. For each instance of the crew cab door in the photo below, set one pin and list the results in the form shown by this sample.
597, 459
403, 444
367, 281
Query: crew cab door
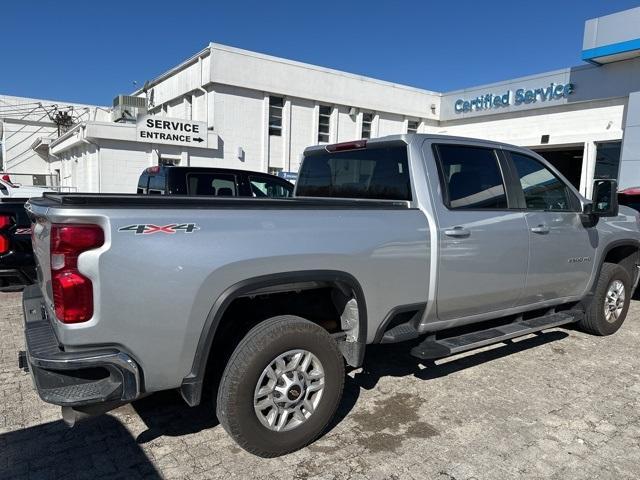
561, 252
483, 239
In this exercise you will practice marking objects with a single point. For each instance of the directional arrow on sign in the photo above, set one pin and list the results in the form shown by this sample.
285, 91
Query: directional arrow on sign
199, 140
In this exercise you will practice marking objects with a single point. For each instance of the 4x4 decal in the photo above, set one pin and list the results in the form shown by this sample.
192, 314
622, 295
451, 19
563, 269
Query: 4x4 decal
148, 228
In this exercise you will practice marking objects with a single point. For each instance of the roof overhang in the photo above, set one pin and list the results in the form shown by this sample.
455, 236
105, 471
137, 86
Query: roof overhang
42, 144
613, 52
612, 38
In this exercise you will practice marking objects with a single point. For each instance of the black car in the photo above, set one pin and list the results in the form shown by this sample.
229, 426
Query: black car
17, 266
214, 182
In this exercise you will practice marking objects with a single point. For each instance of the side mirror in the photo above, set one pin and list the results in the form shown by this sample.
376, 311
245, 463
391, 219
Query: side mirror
605, 198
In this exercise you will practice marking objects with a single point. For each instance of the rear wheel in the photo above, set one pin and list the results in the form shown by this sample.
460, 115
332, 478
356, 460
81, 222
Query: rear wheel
610, 303
281, 386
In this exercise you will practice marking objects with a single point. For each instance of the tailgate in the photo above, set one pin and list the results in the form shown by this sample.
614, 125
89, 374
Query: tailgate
81, 262
41, 232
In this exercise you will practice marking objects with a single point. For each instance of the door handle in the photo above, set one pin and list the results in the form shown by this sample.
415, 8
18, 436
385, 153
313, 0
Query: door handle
457, 232
542, 228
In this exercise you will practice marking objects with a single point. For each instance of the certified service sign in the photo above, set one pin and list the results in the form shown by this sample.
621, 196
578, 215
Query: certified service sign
173, 131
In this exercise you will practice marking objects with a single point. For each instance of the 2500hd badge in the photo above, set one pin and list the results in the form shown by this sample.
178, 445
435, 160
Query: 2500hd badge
579, 259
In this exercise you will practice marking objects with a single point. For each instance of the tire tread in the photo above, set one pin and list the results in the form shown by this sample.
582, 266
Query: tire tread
593, 321
257, 338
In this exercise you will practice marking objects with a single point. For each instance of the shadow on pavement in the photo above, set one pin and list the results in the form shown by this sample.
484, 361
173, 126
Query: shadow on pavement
97, 448
394, 360
166, 413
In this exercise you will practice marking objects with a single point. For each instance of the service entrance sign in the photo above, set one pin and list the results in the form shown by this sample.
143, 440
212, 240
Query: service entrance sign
172, 131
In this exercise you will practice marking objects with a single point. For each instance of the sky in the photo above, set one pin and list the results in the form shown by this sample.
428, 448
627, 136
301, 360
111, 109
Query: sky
89, 52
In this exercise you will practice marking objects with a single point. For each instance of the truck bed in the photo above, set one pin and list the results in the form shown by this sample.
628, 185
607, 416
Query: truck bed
111, 200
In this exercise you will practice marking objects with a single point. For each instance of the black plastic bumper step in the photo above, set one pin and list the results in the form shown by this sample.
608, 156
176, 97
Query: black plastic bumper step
432, 349
71, 378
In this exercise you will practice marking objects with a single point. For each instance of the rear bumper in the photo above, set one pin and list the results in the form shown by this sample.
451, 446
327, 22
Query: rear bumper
73, 378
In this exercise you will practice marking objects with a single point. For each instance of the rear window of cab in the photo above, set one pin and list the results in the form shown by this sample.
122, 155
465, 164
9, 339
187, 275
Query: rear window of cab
367, 173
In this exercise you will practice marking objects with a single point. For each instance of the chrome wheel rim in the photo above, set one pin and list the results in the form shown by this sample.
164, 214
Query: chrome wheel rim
289, 390
614, 301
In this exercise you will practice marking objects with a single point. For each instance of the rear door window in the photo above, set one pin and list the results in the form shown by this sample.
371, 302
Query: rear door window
371, 173
212, 184
262, 187
471, 178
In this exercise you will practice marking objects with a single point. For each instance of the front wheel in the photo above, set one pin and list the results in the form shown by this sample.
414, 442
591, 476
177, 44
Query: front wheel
281, 386
610, 303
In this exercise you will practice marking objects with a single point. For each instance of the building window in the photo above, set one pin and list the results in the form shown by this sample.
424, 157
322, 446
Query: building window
324, 124
412, 126
275, 115
607, 160
367, 120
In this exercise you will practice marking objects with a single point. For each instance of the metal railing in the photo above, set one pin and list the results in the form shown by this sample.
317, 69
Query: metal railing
50, 181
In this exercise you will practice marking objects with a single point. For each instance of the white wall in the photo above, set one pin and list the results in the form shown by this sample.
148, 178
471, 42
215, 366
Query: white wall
236, 104
233, 66
238, 120
304, 131
573, 124
17, 138
390, 124
120, 168
630, 157
24, 120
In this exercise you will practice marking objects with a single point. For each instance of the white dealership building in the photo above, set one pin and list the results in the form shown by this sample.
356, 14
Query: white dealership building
258, 112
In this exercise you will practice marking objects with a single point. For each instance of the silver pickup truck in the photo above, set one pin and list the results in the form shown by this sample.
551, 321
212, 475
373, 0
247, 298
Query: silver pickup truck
264, 301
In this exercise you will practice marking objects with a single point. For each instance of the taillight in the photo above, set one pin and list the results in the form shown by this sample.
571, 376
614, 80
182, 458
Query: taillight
72, 291
5, 221
341, 147
4, 244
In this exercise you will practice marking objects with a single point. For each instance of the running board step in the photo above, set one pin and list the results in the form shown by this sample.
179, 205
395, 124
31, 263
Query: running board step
432, 349
400, 333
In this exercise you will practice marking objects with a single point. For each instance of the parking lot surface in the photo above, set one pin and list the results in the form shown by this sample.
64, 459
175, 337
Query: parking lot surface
561, 405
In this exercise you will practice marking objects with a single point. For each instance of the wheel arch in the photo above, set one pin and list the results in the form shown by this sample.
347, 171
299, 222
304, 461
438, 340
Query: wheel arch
191, 388
616, 252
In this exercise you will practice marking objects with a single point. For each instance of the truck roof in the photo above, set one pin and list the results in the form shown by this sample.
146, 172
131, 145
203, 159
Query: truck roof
411, 137
234, 171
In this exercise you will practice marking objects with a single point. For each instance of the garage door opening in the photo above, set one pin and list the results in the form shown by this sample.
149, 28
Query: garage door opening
567, 160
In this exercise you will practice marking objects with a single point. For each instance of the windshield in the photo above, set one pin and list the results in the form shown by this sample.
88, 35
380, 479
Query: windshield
369, 173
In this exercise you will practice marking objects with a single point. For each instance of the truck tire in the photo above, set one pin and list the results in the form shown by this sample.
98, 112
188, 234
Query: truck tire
610, 303
281, 386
